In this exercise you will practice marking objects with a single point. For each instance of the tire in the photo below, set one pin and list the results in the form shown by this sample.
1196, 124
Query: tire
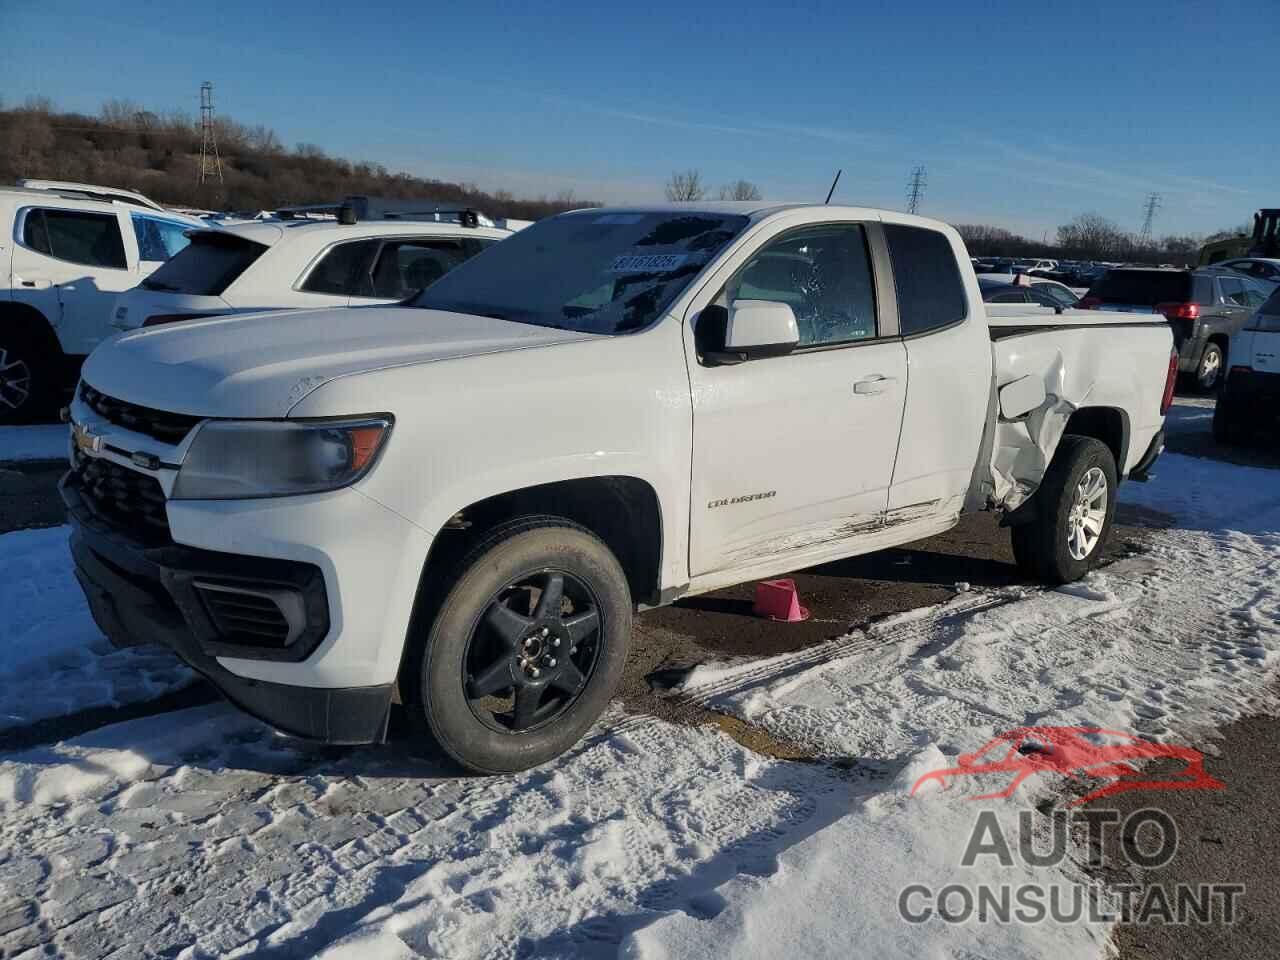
1043, 546
492, 648
1209, 369
28, 381
1227, 428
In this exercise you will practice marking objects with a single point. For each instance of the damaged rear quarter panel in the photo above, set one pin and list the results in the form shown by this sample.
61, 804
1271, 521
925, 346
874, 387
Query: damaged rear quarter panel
1119, 367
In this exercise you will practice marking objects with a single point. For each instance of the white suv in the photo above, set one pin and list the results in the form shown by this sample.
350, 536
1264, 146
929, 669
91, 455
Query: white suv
66, 252
304, 263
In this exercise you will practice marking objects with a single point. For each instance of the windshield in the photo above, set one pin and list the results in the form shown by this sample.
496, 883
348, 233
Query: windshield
206, 267
591, 271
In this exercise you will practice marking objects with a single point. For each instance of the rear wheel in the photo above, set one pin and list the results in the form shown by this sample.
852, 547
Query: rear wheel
1209, 370
526, 648
1074, 508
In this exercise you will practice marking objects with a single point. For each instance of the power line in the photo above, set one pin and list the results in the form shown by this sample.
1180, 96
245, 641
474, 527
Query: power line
915, 189
1150, 207
210, 161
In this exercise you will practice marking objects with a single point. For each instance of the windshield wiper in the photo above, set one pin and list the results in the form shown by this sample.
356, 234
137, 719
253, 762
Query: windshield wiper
157, 285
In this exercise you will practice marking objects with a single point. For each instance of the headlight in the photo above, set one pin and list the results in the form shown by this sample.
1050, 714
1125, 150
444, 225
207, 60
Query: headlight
242, 459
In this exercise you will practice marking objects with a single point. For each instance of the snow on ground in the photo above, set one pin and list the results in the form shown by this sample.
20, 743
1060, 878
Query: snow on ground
43, 442
53, 658
201, 833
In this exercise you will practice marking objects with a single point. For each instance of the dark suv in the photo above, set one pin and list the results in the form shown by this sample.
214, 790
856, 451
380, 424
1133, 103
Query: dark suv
1205, 307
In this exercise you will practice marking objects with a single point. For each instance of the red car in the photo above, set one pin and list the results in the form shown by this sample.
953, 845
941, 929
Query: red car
1079, 753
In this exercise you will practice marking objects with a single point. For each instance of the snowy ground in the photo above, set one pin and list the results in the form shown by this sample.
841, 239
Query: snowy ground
43, 442
53, 659
199, 833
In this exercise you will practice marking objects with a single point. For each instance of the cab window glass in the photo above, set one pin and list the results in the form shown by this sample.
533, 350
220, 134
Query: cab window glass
92, 239
930, 291
824, 274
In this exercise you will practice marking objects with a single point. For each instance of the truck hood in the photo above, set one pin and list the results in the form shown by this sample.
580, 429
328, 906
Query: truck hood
261, 365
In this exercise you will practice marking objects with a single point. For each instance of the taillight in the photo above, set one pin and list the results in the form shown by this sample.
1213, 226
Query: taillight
158, 318
1170, 381
1179, 311
1089, 303
1241, 368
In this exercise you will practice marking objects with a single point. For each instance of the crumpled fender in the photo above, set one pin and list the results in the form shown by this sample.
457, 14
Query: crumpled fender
1023, 447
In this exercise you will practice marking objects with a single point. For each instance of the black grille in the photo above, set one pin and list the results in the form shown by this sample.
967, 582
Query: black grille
123, 498
166, 427
243, 617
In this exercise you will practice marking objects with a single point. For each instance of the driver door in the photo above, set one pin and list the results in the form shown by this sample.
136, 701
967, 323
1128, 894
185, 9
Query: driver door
794, 454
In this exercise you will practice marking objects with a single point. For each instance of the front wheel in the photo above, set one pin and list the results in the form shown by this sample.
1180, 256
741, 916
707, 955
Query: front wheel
1074, 508
526, 648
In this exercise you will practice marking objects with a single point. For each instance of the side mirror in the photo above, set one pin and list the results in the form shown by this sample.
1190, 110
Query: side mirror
748, 330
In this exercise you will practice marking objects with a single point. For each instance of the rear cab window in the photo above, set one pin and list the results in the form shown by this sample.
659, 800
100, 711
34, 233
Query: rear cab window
930, 291
211, 263
91, 239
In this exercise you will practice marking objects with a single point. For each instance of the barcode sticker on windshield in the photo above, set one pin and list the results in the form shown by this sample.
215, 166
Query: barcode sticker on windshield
648, 263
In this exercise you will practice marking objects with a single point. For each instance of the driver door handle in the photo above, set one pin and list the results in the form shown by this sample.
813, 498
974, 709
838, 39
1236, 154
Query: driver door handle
873, 385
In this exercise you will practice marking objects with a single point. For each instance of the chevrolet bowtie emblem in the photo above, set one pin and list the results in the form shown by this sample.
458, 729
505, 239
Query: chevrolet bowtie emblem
85, 439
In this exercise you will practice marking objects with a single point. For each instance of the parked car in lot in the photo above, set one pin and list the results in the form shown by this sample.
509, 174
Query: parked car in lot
1002, 288
1250, 397
304, 264
1260, 268
1205, 307
465, 497
66, 252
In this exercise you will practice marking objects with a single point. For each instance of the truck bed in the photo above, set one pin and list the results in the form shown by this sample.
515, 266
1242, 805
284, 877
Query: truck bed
1012, 319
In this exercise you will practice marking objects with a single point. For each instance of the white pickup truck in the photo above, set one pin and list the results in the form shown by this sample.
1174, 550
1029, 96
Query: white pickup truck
461, 500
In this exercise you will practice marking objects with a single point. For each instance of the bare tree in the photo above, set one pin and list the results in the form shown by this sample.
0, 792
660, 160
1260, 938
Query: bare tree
740, 190
119, 113
686, 186
1092, 235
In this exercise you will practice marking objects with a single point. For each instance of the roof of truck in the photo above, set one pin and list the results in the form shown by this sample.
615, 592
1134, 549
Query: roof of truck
759, 209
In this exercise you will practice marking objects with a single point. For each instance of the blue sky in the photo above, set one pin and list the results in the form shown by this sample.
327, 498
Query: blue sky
1024, 114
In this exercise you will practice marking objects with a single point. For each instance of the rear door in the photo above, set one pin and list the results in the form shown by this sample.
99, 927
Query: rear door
70, 264
949, 374
793, 454
1233, 302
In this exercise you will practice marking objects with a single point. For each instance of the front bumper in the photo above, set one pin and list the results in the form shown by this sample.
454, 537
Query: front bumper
142, 593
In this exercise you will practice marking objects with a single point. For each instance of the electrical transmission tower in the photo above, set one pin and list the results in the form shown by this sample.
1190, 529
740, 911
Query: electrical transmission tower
1150, 207
915, 189
210, 161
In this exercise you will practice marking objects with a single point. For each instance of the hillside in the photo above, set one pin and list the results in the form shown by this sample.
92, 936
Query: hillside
159, 155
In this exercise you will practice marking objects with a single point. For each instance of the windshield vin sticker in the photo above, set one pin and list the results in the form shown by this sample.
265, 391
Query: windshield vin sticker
647, 263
